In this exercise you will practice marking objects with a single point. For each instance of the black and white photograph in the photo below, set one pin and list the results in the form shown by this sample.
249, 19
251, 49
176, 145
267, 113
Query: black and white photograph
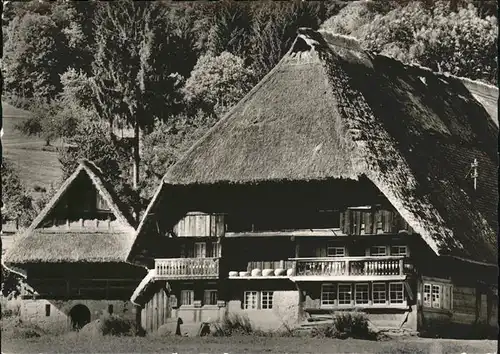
249, 176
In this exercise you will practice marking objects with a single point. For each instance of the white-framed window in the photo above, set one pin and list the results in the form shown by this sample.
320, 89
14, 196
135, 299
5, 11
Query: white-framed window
379, 295
101, 203
361, 294
378, 251
344, 294
200, 250
215, 250
436, 296
210, 297
328, 294
250, 300
266, 300
335, 251
399, 251
187, 297
396, 293
427, 295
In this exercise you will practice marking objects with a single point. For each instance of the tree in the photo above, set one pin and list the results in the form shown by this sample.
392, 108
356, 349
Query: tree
33, 56
461, 43
217, 83
275, 26
41, 40
17, 204
431, 33
133, 79
90, 141
167, 143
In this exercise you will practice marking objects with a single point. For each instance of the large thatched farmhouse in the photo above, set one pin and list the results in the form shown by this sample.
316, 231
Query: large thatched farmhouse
74, 254
343, 180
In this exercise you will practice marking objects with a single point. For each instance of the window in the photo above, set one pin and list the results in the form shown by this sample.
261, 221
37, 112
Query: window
378, 251
266, 300
47, 310
333, 251
215, 250
361, 294
101, 204
250, 300
427, 295
344, 294
399, 251
187, 297
210, 297
110, 309
200, 250
378, 293
436, 296
328, 294
396, 293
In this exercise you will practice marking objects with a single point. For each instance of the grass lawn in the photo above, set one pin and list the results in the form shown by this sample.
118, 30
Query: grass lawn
73, 343
34, 165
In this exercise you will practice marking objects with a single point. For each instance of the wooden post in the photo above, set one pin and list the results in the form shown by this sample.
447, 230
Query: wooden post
347, 267
401, 266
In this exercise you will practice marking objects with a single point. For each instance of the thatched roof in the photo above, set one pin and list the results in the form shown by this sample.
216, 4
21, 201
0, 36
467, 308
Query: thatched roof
330, 110
51, 245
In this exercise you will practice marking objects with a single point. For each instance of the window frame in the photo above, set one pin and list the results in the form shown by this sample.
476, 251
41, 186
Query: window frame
403, 300
405, 254
215, 249
255, 300
439, 296
427, 301
100, 203
343, 292
182, 297
377, 253
203, 248
329, 247
356, 294
330, 302
208, 292
270, 300
386, 300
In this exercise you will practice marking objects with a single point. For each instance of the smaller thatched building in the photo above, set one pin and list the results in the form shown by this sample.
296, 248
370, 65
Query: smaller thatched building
74, 255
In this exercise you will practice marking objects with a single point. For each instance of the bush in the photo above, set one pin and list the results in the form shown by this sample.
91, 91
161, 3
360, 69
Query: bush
233, 325
345, 325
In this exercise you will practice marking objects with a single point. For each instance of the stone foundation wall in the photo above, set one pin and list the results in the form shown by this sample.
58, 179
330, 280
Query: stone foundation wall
58, 319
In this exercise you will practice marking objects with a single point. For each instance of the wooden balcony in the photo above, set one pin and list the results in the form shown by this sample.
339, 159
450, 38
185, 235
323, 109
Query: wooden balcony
187, 268
350, 268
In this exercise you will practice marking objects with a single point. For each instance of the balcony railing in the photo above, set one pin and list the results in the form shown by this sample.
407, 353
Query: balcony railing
350, 266
187, 268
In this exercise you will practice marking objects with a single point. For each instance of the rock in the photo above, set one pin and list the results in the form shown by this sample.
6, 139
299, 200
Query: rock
244, 274
233, 274
290, 272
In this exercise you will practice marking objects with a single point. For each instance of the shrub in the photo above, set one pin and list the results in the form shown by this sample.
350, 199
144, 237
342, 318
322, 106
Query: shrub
345, 325
233, 324
351, 324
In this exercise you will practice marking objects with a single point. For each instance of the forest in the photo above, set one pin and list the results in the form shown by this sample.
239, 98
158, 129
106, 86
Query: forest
132, 85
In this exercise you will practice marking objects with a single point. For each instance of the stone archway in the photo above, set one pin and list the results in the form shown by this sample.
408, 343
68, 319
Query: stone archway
79, 316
